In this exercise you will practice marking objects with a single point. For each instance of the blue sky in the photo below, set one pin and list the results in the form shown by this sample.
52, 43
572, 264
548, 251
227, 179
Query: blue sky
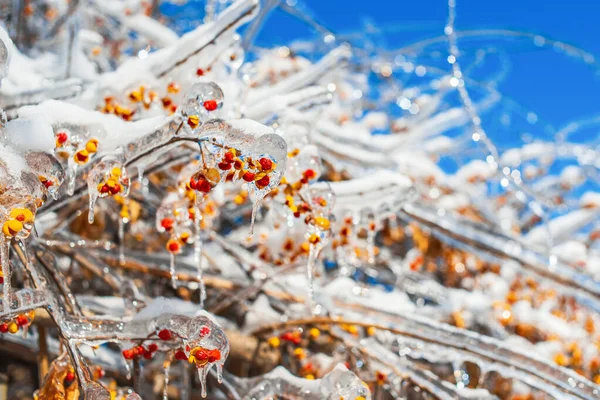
558, 88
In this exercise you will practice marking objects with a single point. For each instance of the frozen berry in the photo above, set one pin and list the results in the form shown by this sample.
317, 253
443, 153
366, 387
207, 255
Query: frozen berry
248, 176
210, 105
205, 330
70, 377
165, 334
263, 182
266, 164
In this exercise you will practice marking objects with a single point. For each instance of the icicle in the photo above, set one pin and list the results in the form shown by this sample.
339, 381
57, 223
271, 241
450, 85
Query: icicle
122, 222
310, 274
140, 172
6, 272
184, 392
220, 373
71, 175
202, 373
199, 270
198, 244
167, 367
92, 197
255, 208
172, 272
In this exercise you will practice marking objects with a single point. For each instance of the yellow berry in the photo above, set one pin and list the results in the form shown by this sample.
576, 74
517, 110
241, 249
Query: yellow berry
13, 327
21, 214
193, 121
300, 353
136, 96
92, 146
274, 341
310, 377
371, 331
82, 156
314, 238
116, 172
561, 359
238, 200
12, 227
322, 223
314, 333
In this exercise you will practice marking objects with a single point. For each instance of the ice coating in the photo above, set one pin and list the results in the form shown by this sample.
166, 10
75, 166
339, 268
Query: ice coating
203, 100
338, 383
478, 251
343, 383
108, 178
5, 42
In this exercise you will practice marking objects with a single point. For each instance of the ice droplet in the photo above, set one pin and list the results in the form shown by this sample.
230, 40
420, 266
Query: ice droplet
122, 222
172, 271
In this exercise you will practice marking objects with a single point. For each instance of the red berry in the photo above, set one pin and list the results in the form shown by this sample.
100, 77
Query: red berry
70, 377
193, 183
173, 246
203, 186
310, 174
180, 355
22, 320
164, 334
229, 156
81, 156
147, 354
205, 330
152, 347
105, 189
115, 189
128, 354
4, 327
287, 336
199, 72
48, 183
61, 137
248, 176
263, 182
138, 350
224, 166
214, 355
210, 105
1, 280
201, 354
266, 164
167, 223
